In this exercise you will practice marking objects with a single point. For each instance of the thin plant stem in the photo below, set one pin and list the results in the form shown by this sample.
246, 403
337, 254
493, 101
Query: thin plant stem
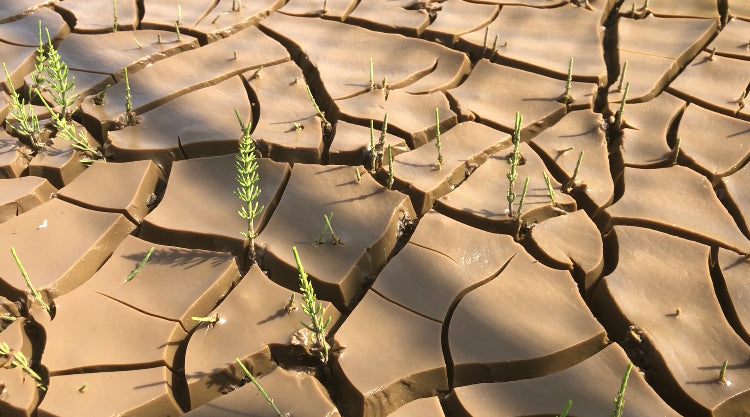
34, 292
566, 409
380, 146
622, 75
179, 14
620, 399
324, 121
140, 265
484, 44
566, 98
619, 121
723, 373
268, 399
357, 174
519, 213
66, 130
576, 172
676, 150
137, 43
550, 190
177, 30
130, 119
114, 7
325, 7
514, 159
390, 168
40, 62
313, 309
327, 226
28, 122
372, 147
372, 76
56, 74
438, 145
247, 179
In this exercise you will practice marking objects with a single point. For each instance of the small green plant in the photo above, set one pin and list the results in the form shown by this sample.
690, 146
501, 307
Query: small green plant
371, 149
484, 44
327, 226
140, 265
576, 172
566, 409
114, 11
380, 147
177, 30
622, 74
723, 374
390, 168
101, 96
324, 122
268, 399
66, 130
208, 319
40, 60
620, 112
566, 98
130, 118
514, 160
248, 189
314, 309
62, 87
620, 399
372, 76
438, 145
290, 305
82, 388
357, 174
21, 361
676, 150
140, 45
27, 122
741, 99
37, 296
519, 214
550, 190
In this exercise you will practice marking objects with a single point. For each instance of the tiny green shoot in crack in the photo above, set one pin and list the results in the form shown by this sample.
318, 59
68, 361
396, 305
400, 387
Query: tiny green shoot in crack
130, 119
40, 62
114, 11
484, 44
576, 172
372, 76
247, 178
358, 176
620, 399
567, 98
327, 226
82, 388
268, 399
676, 150
57, 76
8, 317
140, 265
622, 76
566, 409
21, 361
390, 168
519, 213
313, 309
494, 43
27, 122
324, 122
140, 45
723, 374
208, 319
101, 96
290, 305
372, 147
620, 112
514, 159
380, 146
549, 189
177, 30
298, 127
438, 144
37, 296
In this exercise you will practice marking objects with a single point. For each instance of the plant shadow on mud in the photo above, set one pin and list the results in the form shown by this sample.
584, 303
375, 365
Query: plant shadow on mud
185, 258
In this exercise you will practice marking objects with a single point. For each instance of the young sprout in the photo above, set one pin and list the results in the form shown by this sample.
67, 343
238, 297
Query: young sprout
676, 150
177, 29
140, 265
572, 182
269, 400
550, 190
723, 374
484, 44
40, 61
357, 174
438, 145
372, 76
19, 360
114, 10
290, 305
102, 95
325, 123
314, 309
380, 146
82, 388
566, 409
494, 43
34, 292
27, 121
66, 130
622, 75
179, 14
713, 52
372, 147
334, 239
741, 100
514, 159
619, 120
210, 319
137, 43
390, 168
325, 7
248, 189
620, 399
566, 98
130, 119
57, 78
520, 208
298, 127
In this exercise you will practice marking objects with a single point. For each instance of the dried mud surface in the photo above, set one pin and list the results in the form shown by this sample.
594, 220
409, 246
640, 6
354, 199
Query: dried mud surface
445, 299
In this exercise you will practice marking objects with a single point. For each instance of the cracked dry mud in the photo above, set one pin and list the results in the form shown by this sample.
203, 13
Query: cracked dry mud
441, 303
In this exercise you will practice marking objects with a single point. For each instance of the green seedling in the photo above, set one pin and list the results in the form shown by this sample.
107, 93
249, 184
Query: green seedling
290, 305
66, 130
114, 11
324, 122
622, 73
550, 190
19, 360
248, 189
438, 145
566, 98
179, 14
372, 76
514, 159
269, 400
298, 127
37, 296
130, 119
325, 7
676, 150
723, 374
209, 319
357, 174
632, 10
82, 388
494, 43
380, 146
140, 265
327, 226
741, 100
519, 221
177, 30
566, 409
63, 87
619, 120
484, 44
390, 168
713, 53
137, 43
563, 151
314, 309
576, 172
27, 122
372, 147
620, 399
40, 61
101, 96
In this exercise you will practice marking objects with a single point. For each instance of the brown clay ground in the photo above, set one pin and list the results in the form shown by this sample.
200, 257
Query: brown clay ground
438, 306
